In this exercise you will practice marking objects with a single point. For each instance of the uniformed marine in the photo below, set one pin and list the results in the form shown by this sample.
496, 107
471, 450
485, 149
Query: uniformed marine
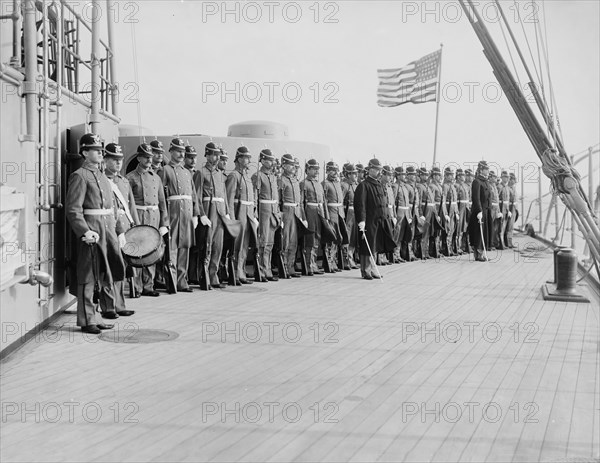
182, 204
89, 208
150, 204
124, 203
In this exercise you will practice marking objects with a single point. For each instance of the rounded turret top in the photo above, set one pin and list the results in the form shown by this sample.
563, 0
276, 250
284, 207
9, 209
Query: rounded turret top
258, 129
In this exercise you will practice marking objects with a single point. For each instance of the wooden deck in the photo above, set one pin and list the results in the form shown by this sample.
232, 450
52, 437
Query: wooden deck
440, 361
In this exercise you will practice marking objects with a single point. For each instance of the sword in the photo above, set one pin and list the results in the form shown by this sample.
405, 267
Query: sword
482, 239
371, 255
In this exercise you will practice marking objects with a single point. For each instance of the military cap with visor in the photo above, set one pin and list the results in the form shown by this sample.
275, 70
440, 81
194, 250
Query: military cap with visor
242, 151
144, 150
90, 141
287, 159
112, 150
190, 152
312, 164
157, 146
267, 155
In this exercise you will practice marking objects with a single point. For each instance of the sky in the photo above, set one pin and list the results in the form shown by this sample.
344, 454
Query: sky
313, 67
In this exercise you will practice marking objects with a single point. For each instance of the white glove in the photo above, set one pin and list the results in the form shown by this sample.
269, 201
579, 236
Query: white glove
195, 221
122, 240
282, 224
509, 214
228, 216
361, 225
163, 231
479, 216
90, 237
422, 218
499, 215
254, 220
447, 218
394, 220
305, 223
409, 220
205, 221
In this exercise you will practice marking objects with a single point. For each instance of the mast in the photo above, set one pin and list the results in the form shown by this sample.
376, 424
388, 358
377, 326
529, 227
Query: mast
556, 164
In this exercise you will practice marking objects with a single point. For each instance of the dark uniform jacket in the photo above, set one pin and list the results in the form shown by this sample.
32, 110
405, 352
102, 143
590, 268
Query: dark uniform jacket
480, 195
370, 206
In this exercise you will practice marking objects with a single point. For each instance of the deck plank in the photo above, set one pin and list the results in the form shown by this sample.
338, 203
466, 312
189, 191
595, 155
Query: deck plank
373, 370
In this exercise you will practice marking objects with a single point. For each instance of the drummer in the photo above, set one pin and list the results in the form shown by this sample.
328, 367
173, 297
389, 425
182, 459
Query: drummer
124, 203
149, 197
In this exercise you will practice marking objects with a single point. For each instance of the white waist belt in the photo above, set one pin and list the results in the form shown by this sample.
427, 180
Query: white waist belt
147, 208
98, 211
213, 199
267, 201
244, 203
464, 201
403, 207
290, 204
452, 202
176, 197
494, 204
335, 204
350, 207
391, 206
313, 204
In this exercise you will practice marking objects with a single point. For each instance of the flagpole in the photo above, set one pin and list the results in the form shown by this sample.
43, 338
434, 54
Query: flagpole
437, 108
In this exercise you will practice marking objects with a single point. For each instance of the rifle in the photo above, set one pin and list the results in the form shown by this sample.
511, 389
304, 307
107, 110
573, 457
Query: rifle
169, 269
204, 255
301, 240
258, 274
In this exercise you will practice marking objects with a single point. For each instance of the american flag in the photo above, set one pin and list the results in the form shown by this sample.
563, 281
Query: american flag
414, 83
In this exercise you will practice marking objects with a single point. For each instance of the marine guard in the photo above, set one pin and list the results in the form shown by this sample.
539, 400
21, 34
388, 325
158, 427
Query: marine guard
349, 183
240, 198
124, 202
149, 197
89, 208
463, 195
269, 216
332, 190
209, 185
314, 208
183, 210
291, 211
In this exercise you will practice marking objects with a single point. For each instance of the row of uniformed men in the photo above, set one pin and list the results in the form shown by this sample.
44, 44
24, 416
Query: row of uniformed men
101, 208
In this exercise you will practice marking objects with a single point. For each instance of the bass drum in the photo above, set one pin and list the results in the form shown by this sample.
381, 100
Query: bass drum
144, 246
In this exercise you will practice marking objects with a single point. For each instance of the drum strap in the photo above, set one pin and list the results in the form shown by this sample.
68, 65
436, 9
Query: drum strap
121, 199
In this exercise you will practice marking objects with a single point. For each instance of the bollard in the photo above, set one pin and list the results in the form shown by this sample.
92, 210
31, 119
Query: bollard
566, 271
565, 278
557, 249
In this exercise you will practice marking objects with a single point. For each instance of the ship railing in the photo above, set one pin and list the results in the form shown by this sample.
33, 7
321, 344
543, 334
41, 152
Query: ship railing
545, 216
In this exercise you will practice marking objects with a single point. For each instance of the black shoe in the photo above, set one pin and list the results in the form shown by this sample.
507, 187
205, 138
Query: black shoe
104, 326
137, 295
272, 278
367, 277
310, 274
91, 329
150, 293
245, 282
319, 272
376, 276
263, 280
125, 313
294, 275
219, 285
185, 290
194, 282
109, 315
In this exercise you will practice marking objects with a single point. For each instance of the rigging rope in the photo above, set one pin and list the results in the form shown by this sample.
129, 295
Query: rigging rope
511, 56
